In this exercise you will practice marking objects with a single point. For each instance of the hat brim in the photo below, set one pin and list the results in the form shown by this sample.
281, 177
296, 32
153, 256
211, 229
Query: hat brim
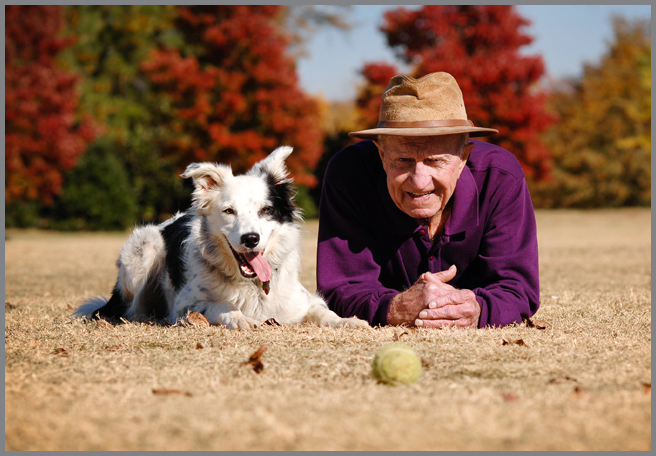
433, 131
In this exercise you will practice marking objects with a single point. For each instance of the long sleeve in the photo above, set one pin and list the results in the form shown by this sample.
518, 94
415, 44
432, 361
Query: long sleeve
348, 275
507, 260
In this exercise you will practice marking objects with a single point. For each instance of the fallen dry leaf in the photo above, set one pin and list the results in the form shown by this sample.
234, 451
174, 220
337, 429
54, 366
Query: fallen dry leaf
9, 305
398, 336
103, 324
198, 346
562, 378
514, 342
271, 322
425, 362
164, 391
60, 352
509, 397
646, 387
578, 392
198, 319
537, 324
69, 307
255, 360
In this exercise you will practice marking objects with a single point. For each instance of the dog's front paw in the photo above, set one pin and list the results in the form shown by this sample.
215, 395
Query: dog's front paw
247, 323
353, 322
241, 322
220, 315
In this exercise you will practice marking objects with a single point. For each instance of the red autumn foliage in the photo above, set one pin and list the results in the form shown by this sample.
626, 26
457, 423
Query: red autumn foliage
43, 137
480, 46
237, 97
377, 76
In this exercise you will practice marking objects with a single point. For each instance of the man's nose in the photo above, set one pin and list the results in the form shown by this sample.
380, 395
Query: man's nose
420, 176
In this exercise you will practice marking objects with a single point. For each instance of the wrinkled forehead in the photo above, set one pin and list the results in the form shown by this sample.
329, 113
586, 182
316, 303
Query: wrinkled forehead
421, 145
245, 190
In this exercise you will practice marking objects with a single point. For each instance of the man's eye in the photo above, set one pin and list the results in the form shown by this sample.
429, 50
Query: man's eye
435, 162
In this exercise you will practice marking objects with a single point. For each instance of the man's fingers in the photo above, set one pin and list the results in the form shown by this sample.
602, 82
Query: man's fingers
461, 323
449, 312
455, 297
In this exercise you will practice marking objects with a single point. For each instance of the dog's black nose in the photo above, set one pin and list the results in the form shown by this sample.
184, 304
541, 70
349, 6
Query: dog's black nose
250, 240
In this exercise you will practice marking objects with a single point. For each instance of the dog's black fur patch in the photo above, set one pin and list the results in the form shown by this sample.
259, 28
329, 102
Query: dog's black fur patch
174, 234
114, 308
152, 299
281, 199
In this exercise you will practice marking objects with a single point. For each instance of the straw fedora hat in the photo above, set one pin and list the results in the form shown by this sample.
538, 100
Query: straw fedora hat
429, 106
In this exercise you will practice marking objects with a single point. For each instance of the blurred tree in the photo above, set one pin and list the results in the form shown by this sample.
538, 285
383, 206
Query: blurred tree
338, 119
111, 42
96, 193
230, 92
44, 133
377, 77
602, 143
479, 45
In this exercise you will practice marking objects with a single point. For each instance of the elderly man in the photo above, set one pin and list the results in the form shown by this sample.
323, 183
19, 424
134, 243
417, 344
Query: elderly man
422, 226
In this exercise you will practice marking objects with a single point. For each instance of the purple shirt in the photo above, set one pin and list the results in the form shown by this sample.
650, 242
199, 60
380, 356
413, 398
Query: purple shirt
369, 250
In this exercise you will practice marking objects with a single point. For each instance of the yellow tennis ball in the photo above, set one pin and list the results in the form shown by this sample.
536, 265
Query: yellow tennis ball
396, 364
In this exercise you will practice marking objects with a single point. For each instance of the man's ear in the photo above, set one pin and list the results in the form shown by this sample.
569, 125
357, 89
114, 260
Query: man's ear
466, 151
464, 156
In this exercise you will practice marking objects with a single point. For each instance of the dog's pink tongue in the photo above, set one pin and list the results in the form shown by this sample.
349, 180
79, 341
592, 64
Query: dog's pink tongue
259, 265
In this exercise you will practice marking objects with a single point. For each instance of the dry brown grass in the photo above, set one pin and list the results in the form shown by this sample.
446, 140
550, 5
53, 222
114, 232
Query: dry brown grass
583, 384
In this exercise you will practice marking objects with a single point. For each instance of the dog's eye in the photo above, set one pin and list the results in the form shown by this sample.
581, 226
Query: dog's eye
266, 210
228, 211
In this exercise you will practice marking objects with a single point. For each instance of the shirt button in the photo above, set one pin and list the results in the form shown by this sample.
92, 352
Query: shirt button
432, 258
422, 232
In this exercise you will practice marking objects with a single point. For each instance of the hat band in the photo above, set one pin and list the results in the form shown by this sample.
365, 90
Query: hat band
427, 124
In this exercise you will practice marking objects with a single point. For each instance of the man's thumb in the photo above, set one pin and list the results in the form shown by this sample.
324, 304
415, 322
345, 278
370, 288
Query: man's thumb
445, 276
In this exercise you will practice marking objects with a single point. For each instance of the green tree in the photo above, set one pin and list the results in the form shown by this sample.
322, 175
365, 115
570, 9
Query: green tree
111, 42
601, 144
96, 193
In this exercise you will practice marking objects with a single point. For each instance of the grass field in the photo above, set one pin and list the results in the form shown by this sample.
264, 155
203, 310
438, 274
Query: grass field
584, 383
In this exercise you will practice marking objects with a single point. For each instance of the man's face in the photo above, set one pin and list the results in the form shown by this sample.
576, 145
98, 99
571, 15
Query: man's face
422, 171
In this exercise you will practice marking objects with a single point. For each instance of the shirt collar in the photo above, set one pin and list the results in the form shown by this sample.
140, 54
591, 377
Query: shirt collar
464, 213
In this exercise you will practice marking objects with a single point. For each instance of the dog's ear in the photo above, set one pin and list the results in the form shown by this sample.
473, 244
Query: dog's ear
274, 165
206, 177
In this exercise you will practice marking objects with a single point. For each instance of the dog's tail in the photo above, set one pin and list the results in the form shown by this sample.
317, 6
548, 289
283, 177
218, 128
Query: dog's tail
90, 307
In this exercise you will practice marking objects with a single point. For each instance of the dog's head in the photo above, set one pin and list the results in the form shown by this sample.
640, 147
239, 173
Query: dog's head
245, 210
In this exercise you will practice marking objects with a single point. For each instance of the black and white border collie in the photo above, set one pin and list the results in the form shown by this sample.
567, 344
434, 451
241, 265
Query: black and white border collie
234, 256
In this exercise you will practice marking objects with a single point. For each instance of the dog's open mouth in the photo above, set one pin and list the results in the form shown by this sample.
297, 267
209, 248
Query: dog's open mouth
253, 264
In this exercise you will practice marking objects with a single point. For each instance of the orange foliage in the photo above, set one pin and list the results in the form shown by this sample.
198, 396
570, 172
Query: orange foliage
236, 96
43, 136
